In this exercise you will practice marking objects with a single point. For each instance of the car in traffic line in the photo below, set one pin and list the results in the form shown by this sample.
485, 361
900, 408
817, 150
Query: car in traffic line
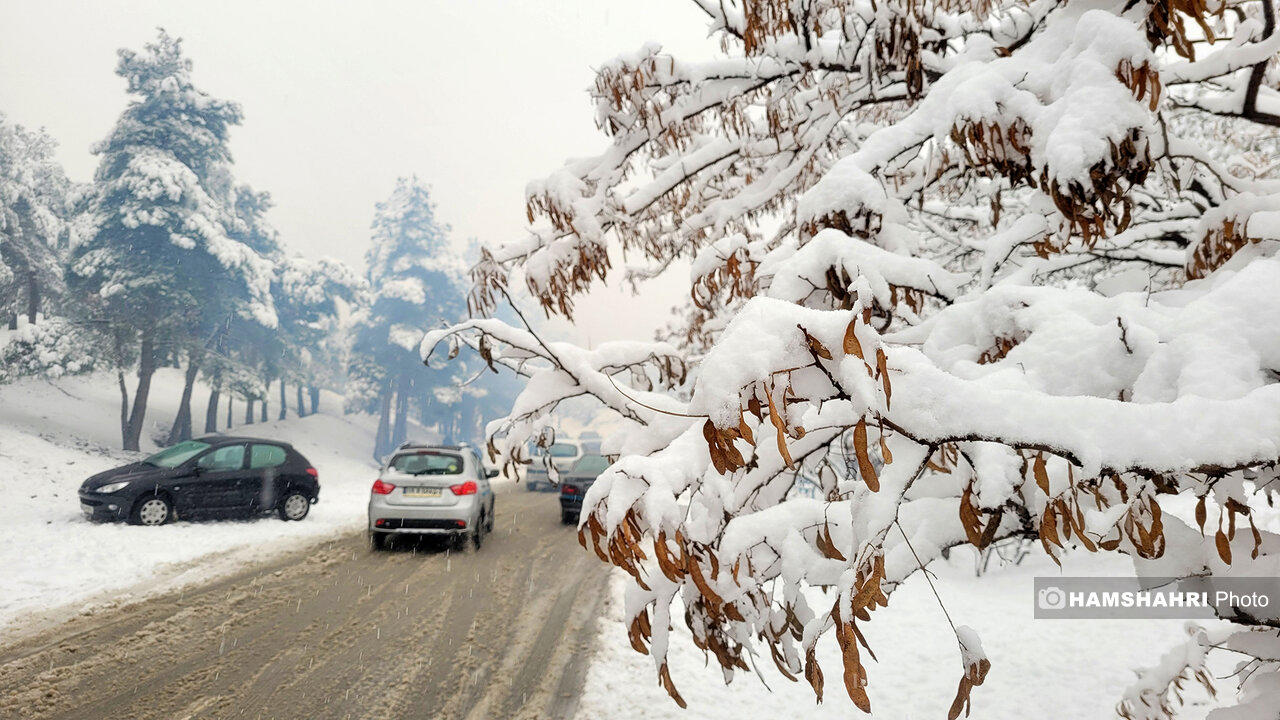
574, 484
440, 490
562, 454
212, 476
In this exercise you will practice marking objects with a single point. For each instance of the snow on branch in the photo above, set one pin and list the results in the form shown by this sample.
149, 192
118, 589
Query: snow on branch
970, 270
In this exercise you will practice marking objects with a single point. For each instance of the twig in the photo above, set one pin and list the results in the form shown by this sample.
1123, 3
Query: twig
618, 387
927, 578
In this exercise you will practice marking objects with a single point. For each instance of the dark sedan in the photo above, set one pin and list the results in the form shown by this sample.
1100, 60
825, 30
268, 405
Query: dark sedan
574, 484
208, 477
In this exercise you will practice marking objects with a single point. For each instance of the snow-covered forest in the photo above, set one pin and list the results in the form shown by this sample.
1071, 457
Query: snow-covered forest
978, 271
166, 259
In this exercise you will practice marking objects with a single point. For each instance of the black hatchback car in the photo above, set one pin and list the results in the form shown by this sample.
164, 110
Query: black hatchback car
575, 482
212, 476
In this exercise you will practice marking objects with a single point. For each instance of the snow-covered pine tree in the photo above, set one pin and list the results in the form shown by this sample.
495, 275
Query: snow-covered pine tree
992, 245
307, 296
161, 273
34, 208
415, 283
238, 345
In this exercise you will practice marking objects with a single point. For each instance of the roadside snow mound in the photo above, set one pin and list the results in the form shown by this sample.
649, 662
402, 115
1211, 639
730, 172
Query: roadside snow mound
55, 434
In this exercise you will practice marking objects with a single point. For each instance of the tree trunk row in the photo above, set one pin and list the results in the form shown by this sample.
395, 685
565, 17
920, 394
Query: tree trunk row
211, 410
137, 416
132, 420
33, 297
181, 429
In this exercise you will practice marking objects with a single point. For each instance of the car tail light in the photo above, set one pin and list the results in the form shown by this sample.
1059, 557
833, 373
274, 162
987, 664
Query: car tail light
313, 473
467, 488
570, 490
382, 488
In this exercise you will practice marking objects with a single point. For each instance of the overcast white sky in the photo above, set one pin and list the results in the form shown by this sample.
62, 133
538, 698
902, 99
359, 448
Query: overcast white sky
475, 96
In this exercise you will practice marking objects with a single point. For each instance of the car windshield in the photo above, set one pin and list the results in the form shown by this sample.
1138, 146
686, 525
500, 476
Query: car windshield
427, 462
562, 450
590, 465
174, 456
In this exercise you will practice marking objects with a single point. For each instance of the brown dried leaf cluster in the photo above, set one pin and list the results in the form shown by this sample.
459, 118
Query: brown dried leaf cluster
867, 597
1172, 698
685, 561
1092, 211
1222, 537
899, 46
1167, 23
998, 351
974, 675
863, 224
1216, 248
735, 273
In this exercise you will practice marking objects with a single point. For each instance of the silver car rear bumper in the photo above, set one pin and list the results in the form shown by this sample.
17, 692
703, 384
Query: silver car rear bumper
423, 519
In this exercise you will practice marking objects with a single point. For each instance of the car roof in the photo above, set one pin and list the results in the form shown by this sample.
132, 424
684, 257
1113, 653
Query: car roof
428, 446
232, 439
464, 445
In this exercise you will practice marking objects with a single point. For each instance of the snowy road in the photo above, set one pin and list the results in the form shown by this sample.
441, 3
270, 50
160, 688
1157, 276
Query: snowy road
338, 632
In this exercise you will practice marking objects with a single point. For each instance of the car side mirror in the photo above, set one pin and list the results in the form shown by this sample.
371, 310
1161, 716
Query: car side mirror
491, 473
197, 470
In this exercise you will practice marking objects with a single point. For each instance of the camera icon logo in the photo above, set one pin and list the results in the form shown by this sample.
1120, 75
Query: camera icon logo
1051, 598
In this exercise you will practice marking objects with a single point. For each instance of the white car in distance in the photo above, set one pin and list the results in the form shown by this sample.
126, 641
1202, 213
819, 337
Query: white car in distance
562, 454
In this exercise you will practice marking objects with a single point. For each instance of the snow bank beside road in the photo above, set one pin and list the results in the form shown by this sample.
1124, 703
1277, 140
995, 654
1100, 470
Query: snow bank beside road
53, 436
1062, 669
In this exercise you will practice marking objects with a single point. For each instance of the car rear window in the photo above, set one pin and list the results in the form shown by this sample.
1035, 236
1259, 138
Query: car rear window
266, 456
427, 462
563, 450
590, 465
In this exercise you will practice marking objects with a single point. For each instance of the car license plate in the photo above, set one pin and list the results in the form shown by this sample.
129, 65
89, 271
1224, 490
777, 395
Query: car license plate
420, 491
86, 509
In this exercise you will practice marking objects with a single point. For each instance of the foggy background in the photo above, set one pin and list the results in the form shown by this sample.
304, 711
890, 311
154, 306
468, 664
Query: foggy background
475, 97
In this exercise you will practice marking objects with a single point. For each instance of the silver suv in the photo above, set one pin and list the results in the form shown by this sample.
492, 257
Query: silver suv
432, 490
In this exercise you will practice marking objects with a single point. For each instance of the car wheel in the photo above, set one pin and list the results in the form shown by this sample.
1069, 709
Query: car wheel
568, 518
294, 506
379, 541
151, 510
477, 534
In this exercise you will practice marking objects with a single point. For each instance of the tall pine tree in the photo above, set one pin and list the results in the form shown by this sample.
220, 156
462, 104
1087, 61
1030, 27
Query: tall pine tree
415, 283
163, 272
33, 220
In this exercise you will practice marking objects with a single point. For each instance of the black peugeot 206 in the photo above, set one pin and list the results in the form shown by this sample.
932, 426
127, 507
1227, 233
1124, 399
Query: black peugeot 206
209, 477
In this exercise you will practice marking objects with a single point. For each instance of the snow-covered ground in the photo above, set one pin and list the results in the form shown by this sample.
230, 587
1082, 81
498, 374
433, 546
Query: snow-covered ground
54, 435
1060, 669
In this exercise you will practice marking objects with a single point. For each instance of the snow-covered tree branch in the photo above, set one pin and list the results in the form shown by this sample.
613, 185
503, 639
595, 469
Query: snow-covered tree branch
984, 269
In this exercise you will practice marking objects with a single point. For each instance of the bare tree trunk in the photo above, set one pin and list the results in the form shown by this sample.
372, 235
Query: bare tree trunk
231, 401
302, 410
263, 402
248, 411
401, 431
284, 401
211, 410
124, 403
13, 320
138, 416
382, 440
124, 388
181, 429
33, 297
315, 399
